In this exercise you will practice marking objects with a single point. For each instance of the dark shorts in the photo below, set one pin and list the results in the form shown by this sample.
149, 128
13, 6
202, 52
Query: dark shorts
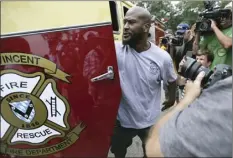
122, 139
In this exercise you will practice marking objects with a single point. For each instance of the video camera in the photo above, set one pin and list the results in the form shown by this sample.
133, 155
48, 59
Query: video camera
191, 68
203, 24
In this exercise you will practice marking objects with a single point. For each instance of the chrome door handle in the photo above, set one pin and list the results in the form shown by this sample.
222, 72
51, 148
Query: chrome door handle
108, 75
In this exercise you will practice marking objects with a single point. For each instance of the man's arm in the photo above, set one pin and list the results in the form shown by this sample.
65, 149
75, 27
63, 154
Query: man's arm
225, 41
169, 78
170, 94
152, 145
196, 43
192, 92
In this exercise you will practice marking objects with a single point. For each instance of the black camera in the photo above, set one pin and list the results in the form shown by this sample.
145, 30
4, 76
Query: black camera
191, 68
203, 24
176, 41
164, 40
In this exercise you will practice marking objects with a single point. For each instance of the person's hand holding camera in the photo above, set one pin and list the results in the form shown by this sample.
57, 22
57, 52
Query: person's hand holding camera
213, 24
181, 80
193, 88
182, 63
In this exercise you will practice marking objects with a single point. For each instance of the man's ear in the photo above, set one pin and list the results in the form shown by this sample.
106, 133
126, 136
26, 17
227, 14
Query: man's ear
147, 27
208, 63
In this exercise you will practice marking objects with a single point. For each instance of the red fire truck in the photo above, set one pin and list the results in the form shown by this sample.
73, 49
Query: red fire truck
60, 88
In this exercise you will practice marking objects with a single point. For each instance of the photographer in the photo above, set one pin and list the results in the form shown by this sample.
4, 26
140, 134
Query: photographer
205, 58
164, 44
198, 126
188, 38
219, 41
164, 41
178, 52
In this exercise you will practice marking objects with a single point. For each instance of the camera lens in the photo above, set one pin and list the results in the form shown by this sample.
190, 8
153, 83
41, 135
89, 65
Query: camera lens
164, 41
186, 67
204, 26
191, 68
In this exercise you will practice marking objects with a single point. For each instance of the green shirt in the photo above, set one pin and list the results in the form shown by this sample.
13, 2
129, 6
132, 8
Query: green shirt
221, 55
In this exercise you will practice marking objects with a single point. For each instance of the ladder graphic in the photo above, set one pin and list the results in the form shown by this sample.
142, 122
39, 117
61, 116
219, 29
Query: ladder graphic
53, 106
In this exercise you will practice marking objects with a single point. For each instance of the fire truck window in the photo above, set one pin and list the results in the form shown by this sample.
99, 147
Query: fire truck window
113, 10
125, 10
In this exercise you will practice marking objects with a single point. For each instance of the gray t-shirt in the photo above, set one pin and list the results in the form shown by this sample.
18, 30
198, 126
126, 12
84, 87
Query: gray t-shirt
204, 129
140, 79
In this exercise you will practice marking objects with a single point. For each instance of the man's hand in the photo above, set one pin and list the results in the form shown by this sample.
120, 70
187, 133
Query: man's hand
182, 63
213, 24
181, 81
170, 95
225, 41
167, 104
193, 88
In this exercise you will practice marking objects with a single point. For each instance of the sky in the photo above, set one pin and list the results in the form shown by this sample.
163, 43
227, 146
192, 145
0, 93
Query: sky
174, 2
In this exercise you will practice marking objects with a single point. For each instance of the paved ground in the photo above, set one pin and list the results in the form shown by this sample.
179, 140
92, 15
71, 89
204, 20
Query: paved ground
135, 150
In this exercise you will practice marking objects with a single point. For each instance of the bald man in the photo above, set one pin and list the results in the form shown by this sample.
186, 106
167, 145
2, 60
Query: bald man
142, 66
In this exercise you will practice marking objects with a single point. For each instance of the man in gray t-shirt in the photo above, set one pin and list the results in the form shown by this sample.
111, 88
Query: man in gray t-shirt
142, 66
196, 127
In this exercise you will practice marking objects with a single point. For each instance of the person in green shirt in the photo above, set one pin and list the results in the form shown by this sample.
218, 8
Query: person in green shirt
219, 42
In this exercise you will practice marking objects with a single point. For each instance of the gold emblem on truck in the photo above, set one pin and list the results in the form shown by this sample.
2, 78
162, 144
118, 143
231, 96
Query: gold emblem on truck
33, 112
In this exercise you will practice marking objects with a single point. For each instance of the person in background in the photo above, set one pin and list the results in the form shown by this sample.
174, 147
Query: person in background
142, 67
179, 52
205, 58
218, 42
164, 44
164, 41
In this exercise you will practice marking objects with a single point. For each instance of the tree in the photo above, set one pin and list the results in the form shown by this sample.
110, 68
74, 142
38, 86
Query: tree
144, 4
189, 10
161, 10
184, 11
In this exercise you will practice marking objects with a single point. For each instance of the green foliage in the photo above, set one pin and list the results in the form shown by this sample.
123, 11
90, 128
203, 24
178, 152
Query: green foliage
183, 11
